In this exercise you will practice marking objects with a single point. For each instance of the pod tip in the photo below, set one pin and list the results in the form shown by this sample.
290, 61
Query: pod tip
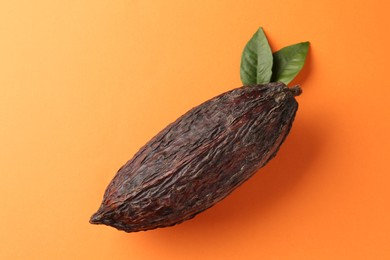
96, 218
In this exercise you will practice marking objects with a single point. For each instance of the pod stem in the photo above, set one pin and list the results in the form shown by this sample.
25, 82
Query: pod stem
296, 90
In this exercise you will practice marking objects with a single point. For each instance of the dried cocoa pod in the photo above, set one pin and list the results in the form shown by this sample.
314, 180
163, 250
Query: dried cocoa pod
200, 158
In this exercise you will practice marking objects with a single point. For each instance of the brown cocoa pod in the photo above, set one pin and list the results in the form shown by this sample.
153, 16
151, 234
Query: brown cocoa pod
200, 158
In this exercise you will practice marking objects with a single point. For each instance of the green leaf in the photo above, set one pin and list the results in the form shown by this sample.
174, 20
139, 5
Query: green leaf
256, 60
288, 62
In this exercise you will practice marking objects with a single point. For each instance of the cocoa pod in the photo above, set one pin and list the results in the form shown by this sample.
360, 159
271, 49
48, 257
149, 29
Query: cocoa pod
200, 158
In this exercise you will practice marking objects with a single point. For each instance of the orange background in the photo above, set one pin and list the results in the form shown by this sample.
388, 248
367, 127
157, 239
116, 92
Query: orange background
84, 84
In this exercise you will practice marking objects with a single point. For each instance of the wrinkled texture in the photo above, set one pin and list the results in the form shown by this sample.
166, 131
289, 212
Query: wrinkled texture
199, 159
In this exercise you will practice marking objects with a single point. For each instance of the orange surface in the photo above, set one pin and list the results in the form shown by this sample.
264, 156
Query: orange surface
84, 84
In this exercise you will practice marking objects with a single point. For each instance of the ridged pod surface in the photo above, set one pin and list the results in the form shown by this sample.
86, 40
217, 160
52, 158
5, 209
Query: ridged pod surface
200, 158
